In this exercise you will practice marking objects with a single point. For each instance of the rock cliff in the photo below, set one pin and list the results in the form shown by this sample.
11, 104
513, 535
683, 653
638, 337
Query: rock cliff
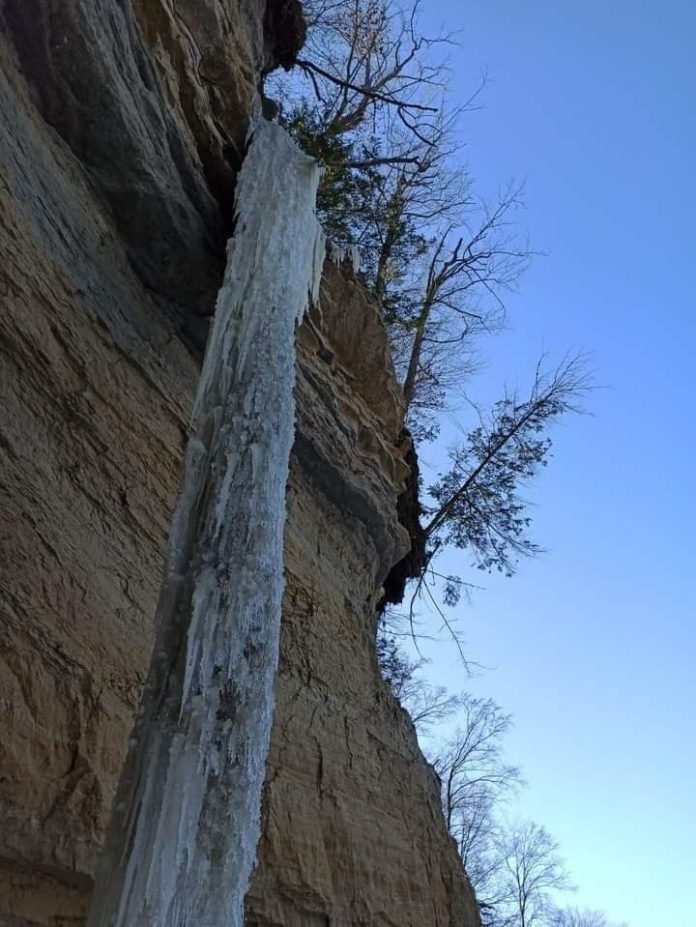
124, 125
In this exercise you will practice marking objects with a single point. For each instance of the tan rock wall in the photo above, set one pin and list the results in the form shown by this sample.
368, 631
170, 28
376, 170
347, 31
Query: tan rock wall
110, 248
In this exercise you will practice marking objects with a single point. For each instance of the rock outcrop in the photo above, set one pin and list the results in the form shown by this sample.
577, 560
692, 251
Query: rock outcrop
124, 125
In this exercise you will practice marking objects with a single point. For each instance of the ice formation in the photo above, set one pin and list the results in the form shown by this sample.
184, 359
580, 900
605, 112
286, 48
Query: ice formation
182, 841
341, 253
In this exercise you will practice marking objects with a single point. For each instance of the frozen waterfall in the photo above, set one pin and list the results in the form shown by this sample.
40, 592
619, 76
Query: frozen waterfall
182, 841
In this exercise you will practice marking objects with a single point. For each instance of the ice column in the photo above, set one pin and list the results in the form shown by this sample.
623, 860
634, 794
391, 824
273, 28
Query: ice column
182, 840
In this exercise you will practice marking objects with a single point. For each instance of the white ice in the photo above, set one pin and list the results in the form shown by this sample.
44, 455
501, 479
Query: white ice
182, 841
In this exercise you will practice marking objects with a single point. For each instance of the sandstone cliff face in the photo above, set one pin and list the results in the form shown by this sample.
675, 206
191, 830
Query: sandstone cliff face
124, 126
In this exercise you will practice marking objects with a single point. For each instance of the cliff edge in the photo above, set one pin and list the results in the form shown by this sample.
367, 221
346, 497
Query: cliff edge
124, 126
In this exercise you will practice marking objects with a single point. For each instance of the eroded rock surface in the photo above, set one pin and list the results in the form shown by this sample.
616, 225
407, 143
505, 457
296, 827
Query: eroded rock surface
123, 126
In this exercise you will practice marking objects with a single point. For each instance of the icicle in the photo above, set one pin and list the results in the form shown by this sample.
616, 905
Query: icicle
341, 253
182, 841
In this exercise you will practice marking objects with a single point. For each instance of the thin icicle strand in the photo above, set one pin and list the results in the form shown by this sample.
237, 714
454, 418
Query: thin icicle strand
182, 841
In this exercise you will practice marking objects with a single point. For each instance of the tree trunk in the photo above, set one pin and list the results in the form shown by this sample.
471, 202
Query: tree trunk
415, 356
394, 212
182, 841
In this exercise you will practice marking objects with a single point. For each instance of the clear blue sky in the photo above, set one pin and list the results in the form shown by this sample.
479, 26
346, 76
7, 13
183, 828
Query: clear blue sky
594, 645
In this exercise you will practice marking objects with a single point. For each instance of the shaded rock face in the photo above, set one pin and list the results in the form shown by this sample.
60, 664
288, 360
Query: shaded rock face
153, 99
124, 126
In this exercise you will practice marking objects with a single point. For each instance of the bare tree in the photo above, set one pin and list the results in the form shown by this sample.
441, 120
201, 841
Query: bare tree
430, 705
476, 782
469, 265
427, 705
362, 56
516, 870
472, 758
533, 872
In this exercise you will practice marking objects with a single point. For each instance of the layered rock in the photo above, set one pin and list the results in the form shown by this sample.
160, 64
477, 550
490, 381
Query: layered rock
353, 829
124, 129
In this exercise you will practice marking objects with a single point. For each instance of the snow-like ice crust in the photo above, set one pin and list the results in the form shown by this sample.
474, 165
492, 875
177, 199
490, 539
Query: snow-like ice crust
182, 842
